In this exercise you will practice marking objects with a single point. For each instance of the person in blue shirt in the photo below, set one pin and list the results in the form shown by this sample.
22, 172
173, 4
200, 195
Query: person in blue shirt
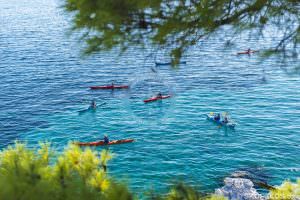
106, 139
217, 117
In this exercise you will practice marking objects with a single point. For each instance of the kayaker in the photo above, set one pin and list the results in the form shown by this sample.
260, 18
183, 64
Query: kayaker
106, 139
93, 105
249, 51
217, 117
225, 120
159, 95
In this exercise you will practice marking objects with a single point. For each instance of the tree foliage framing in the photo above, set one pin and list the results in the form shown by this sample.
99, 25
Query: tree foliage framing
178, 25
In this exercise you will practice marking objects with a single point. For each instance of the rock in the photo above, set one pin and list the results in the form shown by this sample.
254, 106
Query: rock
239, 189
240, 174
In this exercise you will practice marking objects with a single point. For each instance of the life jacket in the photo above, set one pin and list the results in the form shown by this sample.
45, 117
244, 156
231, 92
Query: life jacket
106, 140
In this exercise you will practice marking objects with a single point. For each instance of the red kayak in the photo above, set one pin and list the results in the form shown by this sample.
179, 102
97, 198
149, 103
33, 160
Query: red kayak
101, 143
246, 52
109, 87
156, 98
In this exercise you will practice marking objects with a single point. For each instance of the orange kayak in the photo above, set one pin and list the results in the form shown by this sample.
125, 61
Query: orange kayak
156, 98
101, 143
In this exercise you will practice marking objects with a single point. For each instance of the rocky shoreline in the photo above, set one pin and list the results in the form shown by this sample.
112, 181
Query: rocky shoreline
239, 189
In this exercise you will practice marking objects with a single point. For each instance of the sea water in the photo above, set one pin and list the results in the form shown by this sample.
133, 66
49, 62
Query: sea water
45, 81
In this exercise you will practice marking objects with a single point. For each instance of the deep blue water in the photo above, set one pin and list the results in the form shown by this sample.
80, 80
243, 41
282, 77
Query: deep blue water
44, 83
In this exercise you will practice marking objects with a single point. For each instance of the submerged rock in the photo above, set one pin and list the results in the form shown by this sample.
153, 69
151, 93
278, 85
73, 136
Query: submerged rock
255, 174
239, 189
240, 174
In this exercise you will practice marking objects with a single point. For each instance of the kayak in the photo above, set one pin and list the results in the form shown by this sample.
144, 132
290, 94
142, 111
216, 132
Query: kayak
211, 117
246, 52
156, 98
101, 142
168, 63
90, 109
109, 87
86, 110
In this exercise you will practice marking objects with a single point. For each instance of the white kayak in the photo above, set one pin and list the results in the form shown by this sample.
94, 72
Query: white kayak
211, 117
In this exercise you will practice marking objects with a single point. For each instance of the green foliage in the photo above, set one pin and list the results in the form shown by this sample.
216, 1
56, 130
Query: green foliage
287, 191
27, 174
184, 192
181, 191
75, 174
177, 25
216, 197
78, 174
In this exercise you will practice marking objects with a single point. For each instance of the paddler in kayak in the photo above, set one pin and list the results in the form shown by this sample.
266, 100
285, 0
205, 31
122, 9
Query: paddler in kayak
106, 139
225, 121
93, 105
248, 52
217, 117
159, 95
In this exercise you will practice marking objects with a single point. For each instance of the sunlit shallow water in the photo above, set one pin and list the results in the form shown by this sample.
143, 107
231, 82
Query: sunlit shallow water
44, 83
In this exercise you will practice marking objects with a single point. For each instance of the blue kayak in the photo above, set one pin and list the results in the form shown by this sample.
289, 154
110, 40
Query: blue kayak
86, 110
90, 109
167, 63
211, 117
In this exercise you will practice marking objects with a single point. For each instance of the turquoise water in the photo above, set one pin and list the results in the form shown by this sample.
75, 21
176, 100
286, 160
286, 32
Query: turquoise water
44, 83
